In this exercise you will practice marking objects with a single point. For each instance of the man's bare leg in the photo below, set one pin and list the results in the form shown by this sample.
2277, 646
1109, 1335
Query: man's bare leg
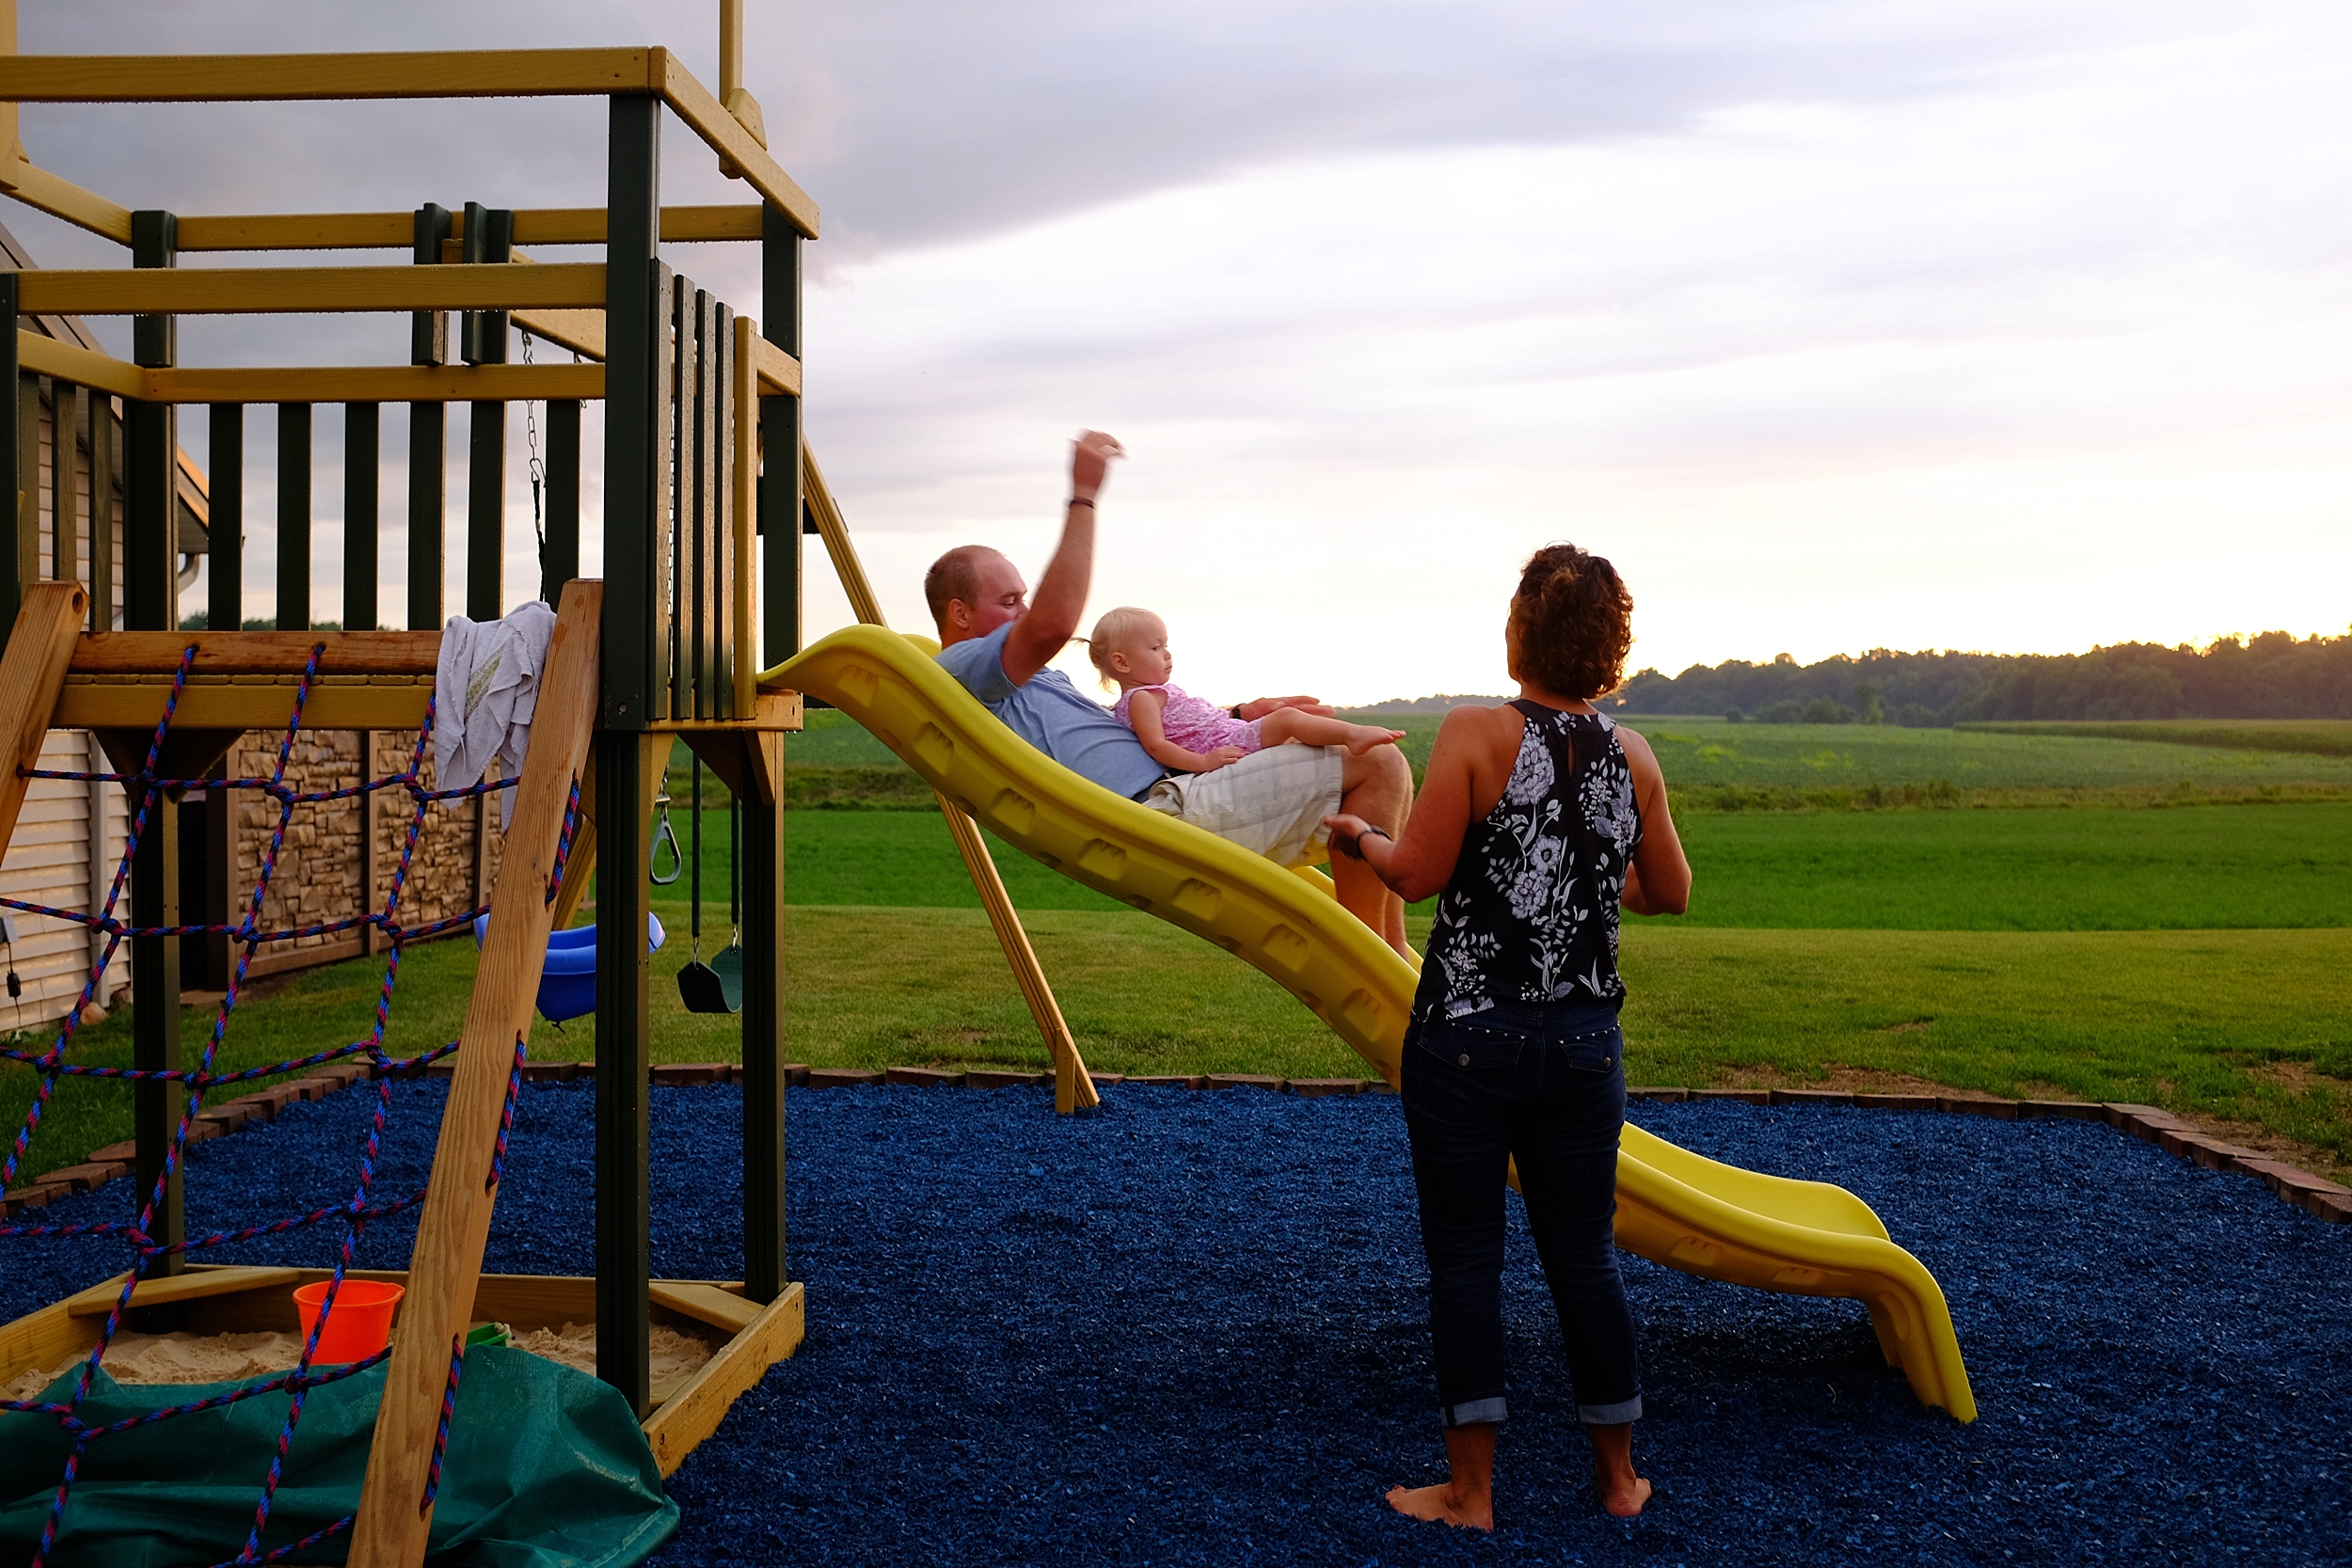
1376, 786
1466, 1497
1622, 1492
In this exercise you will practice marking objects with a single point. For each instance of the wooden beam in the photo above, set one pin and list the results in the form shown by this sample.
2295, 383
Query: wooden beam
447, 1262
706, 1304
54, 356
373, 654
249, 291
137, 706
195, 1285
1073, 1087
776, 713
32, 668
581, 331
287, 78
835, 531
775, 372
59, 197
694, 1412
376, 383
397, 230
737, 148
779, 372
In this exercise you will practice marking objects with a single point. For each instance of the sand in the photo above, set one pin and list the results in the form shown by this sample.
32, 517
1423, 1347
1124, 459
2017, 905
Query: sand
225, 1357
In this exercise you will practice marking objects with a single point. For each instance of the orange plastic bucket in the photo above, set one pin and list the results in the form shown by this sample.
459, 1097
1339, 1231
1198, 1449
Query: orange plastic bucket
361, 1323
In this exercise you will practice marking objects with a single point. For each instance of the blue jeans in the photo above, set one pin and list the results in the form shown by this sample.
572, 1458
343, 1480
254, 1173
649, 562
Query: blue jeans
1543, 1083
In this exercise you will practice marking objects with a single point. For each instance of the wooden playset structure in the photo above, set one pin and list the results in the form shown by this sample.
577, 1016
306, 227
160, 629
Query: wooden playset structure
702, 589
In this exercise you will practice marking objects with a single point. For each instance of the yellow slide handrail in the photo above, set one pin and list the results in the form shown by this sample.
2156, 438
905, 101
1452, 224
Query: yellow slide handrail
1673, 1207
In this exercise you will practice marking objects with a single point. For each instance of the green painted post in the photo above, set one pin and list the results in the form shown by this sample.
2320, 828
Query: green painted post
779, 523
428, 444
780, 438
151, 593
636, 469
294, 517
363, 434
561, 562
489, 238
224, 583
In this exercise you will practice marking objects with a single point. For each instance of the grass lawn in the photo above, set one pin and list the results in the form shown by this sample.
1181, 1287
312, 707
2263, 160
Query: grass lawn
2247, 1026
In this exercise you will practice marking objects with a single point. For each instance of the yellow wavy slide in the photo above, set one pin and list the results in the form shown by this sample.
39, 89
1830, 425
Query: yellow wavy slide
1675, 1208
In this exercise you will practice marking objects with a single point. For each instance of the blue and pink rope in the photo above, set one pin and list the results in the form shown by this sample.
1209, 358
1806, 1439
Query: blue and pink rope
149, 787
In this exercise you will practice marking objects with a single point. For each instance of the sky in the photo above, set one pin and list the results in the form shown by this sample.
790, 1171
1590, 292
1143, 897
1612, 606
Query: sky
1835, 325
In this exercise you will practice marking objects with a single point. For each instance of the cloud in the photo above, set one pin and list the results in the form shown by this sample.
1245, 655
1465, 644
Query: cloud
1836, 324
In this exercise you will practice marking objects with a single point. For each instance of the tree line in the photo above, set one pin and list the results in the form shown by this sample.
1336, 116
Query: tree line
2272, 675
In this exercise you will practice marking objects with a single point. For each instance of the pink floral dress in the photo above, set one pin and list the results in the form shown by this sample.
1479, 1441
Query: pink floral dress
1195, 724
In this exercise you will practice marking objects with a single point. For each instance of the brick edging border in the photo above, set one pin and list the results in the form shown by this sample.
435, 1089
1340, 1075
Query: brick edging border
2299, 1188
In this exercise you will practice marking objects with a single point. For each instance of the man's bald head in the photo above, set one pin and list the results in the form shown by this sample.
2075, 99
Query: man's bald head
979, 579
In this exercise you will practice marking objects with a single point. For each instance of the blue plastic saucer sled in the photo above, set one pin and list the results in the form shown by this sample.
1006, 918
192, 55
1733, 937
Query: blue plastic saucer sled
567, 987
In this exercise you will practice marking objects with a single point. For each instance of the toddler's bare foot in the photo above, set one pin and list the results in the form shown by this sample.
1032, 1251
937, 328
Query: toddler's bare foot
1369, 736
1440, 1502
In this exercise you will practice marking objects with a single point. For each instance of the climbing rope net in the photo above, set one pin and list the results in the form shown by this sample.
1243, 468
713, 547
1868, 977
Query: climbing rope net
147, 787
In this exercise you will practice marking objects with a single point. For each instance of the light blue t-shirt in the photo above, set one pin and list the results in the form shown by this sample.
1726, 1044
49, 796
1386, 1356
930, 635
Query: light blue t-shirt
1051, 714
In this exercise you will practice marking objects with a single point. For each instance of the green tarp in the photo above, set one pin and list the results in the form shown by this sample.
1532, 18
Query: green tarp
547, 1468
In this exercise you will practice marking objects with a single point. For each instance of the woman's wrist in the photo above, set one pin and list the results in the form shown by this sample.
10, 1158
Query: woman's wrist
1353, 848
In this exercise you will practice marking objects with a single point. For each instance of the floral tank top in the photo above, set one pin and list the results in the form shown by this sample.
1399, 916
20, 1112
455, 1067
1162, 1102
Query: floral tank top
1530, 912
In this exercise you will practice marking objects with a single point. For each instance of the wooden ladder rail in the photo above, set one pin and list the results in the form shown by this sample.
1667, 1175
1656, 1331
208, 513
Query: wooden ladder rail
1073, 1087
393, 1519
32, 676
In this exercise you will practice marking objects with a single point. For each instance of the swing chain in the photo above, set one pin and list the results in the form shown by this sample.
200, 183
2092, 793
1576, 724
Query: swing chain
534, 468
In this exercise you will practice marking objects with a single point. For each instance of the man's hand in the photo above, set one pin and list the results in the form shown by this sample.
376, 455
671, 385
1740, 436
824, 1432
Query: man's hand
1258, 707
1090, 457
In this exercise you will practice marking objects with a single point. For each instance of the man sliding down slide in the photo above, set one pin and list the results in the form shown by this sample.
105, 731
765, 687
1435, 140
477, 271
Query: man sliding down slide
1271, 803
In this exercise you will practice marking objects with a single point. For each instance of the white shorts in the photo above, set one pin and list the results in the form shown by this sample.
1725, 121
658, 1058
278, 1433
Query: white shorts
1270, 802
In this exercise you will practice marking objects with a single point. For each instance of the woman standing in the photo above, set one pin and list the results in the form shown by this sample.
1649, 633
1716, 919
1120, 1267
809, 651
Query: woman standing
1537, 819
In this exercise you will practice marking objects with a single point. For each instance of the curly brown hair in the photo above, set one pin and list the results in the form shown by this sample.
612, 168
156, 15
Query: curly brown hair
1571, 623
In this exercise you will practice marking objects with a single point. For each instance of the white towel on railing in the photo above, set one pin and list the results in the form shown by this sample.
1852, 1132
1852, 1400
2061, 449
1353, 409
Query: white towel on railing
485, 690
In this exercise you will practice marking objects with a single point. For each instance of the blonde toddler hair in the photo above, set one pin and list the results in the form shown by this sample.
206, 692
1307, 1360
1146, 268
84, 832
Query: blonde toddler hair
1109, 632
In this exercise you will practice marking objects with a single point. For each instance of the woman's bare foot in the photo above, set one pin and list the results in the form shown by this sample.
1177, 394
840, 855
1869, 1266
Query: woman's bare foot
1622, 1492
1467, 1498
1624, 1503
1440, 1502
1369, 736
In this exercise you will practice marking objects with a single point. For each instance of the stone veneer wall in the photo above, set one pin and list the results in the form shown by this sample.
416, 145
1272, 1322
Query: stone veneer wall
318, 876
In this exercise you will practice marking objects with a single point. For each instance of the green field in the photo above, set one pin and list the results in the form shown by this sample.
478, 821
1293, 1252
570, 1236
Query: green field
2089, 869
2328, 737
2251, 1025
2195, 956
1713, 754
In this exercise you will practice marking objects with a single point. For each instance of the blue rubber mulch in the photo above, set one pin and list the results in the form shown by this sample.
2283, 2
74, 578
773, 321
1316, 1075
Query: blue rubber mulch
1190, 1329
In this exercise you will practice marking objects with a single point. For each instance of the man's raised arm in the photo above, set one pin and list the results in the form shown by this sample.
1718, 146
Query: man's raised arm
1052, 620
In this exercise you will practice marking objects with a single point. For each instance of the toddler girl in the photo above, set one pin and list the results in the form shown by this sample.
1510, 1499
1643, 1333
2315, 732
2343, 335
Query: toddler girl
1180, 730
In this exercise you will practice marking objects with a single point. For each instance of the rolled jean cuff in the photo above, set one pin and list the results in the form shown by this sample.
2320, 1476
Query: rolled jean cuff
1611, 1415
1478, 1412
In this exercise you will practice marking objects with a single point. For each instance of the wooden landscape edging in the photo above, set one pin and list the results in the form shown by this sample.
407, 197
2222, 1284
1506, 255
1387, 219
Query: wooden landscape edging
2298, 1188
